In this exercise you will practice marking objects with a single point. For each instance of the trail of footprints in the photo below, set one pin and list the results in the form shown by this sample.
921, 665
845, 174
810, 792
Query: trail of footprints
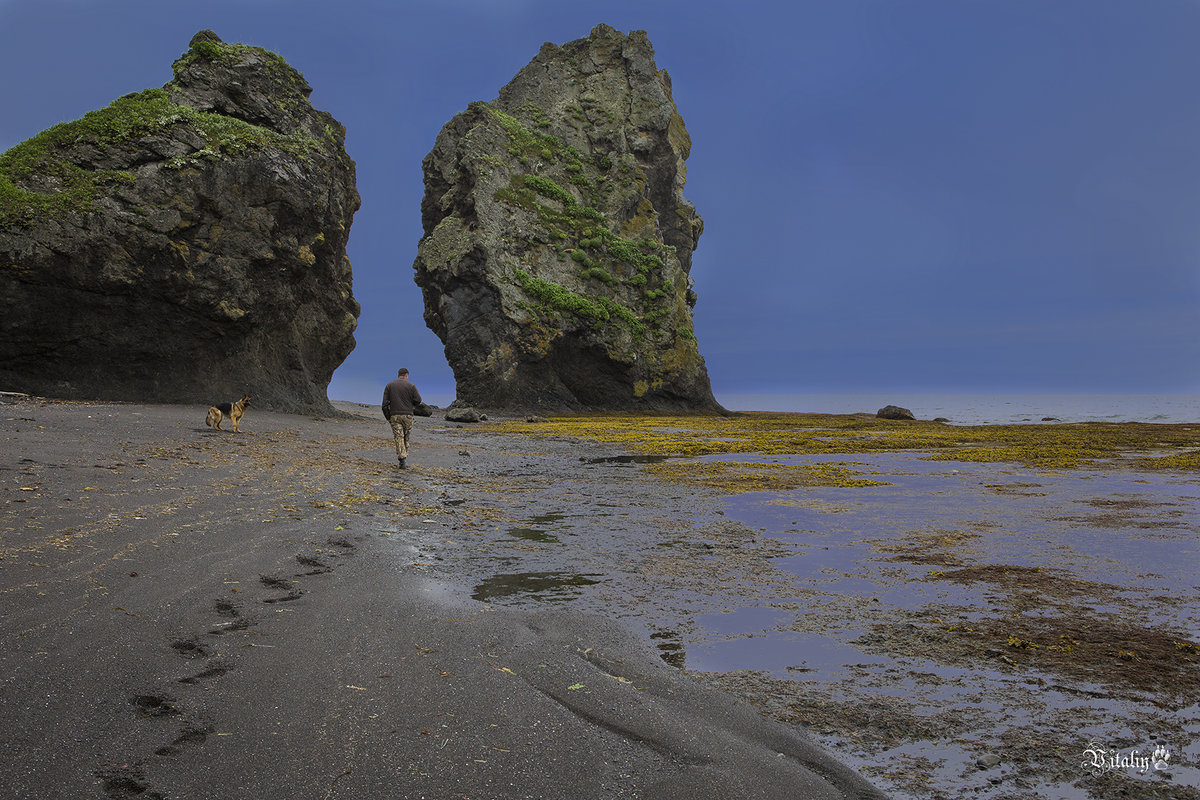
129, 780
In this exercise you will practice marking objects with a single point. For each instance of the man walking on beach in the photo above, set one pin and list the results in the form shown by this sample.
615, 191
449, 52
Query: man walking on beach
399, 399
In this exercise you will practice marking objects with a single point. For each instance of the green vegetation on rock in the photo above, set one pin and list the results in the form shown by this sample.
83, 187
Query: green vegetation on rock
582, 229
217, 52
569, 187
622, 313
548, 188
209, 51
560, 298
169, 204
584, 226
527, 144
600, 274
38, 177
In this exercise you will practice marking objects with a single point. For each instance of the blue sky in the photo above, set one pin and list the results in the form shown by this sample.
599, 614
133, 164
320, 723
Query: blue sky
898, 195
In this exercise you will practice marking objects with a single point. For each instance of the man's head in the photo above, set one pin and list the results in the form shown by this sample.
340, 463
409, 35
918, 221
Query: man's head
403, 373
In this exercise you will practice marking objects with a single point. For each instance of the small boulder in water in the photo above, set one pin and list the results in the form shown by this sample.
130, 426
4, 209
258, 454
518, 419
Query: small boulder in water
894, 412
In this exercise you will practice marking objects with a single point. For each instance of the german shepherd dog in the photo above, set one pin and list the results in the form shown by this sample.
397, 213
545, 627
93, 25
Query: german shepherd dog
232, 410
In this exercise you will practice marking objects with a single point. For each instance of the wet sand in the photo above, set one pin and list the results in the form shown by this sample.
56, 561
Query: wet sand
195, 614
974, 629
947, 627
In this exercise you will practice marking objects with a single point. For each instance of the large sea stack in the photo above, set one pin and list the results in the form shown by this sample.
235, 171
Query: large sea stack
184, 244
558, 243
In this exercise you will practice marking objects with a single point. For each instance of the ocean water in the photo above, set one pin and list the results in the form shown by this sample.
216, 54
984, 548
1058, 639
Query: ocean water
986, 409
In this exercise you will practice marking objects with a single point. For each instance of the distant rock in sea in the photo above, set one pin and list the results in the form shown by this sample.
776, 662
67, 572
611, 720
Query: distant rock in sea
894, 412
184, 244
558, 243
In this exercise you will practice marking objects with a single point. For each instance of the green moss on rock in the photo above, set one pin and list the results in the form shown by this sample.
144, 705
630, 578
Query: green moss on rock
574, 178
559, 297
39, 178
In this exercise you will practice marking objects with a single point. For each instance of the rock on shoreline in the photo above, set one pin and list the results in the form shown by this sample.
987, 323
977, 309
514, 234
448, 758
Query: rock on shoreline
184, 244
557, 241
894, 412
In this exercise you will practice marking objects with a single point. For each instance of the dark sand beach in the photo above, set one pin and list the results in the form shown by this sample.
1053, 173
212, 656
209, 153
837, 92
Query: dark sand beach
558, 610
198, 614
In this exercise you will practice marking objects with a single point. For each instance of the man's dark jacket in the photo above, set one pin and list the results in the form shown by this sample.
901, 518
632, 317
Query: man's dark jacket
400, 397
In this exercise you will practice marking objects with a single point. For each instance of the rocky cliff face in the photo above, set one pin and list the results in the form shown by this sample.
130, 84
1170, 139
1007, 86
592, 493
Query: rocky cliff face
557, 242
184, 244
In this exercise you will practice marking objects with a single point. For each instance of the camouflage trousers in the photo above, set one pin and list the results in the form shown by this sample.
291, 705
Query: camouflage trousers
402, 431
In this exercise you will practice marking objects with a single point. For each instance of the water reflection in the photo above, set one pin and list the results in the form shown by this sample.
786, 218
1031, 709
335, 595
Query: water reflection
542, 586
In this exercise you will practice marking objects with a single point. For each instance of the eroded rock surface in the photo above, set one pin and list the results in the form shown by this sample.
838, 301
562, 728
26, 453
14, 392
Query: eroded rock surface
557, 239
184, 244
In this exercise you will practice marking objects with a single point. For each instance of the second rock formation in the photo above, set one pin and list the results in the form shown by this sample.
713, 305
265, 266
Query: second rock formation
558, 242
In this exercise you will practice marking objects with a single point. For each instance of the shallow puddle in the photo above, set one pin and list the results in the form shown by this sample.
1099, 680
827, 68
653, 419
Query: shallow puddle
540, 586
782, 654
628, 459
534, 535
